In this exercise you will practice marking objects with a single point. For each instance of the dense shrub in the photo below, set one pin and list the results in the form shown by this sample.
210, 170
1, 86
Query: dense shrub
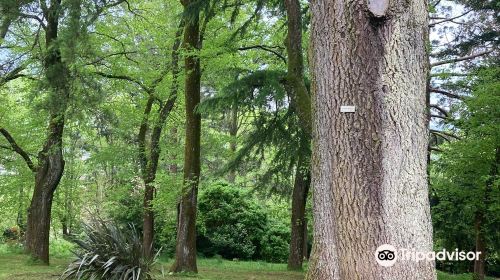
231, 223
109, 252
275, 243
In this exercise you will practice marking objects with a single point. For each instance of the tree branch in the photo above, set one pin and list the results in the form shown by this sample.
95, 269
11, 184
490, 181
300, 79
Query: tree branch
17, 149
125, 78
440, 117
265, 48
458, 59
446, 93
441, 110
443, 134
448, 19
434, 149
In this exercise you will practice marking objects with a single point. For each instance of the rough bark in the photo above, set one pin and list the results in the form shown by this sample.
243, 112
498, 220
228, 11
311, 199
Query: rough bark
298, 222
295, 75
369, 167
50, 159
301, 102
185, 254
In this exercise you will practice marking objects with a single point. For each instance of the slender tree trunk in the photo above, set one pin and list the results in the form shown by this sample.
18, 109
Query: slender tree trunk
305, 249
369, 166
50, 159
301, 102
233, 133
479, 264
185, 254
295, 76
150, 165
298, 223
479, 220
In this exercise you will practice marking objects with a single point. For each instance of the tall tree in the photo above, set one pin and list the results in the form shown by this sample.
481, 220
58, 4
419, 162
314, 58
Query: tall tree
185, 251
301, 101
369, 166
50, 167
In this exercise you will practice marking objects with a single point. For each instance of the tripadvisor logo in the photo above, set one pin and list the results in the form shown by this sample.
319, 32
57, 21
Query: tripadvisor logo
387, 255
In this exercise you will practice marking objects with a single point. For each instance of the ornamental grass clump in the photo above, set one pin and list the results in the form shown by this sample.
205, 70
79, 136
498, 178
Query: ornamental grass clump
109, 251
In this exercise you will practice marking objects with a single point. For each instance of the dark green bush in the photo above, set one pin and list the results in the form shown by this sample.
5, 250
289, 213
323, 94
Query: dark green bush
275, 243
109, 252
231, 223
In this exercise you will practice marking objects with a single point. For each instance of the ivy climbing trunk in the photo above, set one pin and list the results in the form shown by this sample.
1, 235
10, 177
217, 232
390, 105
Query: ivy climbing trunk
50, 160
369, 166
185, 251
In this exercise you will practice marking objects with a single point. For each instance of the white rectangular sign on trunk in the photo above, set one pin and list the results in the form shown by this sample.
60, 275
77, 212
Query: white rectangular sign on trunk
347, 109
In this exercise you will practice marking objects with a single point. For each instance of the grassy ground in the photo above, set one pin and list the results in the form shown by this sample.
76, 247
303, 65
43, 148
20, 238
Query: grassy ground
16, 266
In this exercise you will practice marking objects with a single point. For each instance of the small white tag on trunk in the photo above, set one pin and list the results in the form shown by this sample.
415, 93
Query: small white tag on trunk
347, 109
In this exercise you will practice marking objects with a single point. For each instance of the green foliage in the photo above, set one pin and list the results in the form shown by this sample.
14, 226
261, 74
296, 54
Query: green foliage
109, 252
230, 223
465, 176
275, 243
233, 224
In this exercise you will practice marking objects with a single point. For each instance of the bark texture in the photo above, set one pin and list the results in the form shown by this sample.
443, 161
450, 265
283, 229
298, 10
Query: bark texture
298, 245
301, 102
369, 167
50, 160
185, 253
295, 75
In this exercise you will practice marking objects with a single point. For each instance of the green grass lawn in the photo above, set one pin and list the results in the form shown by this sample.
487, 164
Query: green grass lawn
16, 266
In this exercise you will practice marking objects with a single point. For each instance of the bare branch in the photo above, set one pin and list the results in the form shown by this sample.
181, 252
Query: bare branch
444, 134
17, 149
125, 78
265, 48
446, 93
35, 17
440, 117
448, 19
441, 110
434, 149
458, 59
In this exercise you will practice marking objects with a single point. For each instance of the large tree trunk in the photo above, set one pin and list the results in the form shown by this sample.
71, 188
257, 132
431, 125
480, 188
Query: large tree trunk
299, 223
50, 159
369, 167
185, 254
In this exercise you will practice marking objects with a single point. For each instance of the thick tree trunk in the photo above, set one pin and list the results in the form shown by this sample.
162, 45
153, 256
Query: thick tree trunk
50, 159
298, 223
185, 254
369, 166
